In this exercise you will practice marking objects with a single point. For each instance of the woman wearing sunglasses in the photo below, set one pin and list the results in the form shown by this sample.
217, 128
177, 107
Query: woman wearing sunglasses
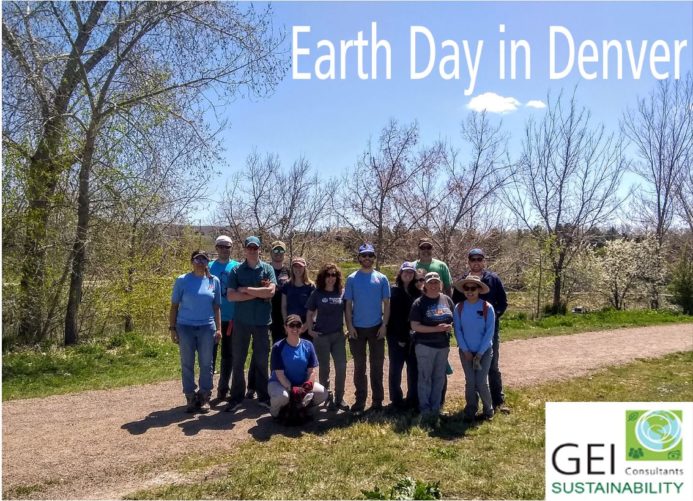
296, 291
474, 326
195, 325
399, 346
431, 320
292, 363
325, 324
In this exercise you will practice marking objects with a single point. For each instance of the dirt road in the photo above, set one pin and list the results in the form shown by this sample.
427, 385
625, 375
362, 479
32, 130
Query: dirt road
105, 444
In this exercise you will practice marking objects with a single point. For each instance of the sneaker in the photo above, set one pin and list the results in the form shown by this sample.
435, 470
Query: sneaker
484, 417
222, 395
250, 394
264, 403
329, 401
233, 405
503, 409
203, 402
376, 407
342, 406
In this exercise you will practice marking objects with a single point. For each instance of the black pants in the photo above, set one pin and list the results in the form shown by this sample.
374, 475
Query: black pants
226, 357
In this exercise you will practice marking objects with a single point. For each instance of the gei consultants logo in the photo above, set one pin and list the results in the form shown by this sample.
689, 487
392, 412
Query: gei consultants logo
619, 449
654, 435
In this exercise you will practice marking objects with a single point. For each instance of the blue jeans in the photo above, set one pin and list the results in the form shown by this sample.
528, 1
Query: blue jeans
476, 382
198, 339
432, 363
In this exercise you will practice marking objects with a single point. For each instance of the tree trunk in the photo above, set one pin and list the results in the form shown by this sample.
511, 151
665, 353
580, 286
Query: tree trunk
79, 251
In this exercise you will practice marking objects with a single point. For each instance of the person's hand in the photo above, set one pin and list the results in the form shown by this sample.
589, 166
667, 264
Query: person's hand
401, 344
174, 335
265, 282
444, 327
314, 334
352, 333
382, 331
297, 393
468, 356
217, 336
308, 386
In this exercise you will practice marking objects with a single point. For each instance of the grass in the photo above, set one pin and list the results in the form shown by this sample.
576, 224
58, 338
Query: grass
121, 360
498, 460
518, 326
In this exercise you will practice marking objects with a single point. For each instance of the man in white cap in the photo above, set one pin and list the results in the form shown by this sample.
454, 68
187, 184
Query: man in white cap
221, 268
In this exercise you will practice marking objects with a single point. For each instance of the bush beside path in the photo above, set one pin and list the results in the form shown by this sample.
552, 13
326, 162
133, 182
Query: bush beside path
106, 444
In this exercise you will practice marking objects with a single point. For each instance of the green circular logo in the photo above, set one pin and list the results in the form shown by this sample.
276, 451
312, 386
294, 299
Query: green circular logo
658, 431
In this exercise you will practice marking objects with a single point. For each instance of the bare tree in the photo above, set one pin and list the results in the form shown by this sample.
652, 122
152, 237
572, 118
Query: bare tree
115, 56
661, 129
566, 181
468, 189
266, 200
381, 195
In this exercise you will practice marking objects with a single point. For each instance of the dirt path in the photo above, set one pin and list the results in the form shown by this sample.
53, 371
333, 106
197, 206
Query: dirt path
105, 444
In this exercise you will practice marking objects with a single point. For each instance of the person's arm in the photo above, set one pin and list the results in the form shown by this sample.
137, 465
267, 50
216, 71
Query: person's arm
429, 329
382, 331
348, 310
457, 324
263, 292
217, 320
310, 374
502, 298
172, 316
310, 316
489, 327
447, 281
284, 314
237, 296
283, 380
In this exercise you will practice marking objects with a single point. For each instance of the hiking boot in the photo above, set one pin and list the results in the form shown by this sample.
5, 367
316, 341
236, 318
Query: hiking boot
222, 395
203, 401
233, 405
250, 394
191, 403
357, 409
341, 405
376, 407
329, 401
503, 409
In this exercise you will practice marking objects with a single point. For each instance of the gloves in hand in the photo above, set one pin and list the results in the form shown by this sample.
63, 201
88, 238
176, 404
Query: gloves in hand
307, 386
297, 394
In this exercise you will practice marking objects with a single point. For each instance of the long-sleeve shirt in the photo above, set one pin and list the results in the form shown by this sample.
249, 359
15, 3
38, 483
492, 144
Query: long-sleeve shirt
473, 332
400, 306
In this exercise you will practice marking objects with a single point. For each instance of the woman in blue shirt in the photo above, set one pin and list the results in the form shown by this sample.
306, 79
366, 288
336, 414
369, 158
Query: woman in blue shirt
195, 325
292, 363
474, 321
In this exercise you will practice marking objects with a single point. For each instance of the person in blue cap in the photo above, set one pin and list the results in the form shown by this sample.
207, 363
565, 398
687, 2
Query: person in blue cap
251, 287
476, 260
367, 311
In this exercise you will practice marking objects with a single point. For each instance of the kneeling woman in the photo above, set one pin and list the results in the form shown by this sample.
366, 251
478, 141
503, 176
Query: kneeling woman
292, 363
195, 325
474, 326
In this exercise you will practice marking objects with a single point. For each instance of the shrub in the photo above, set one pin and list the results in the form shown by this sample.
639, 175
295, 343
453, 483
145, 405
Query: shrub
407, 488
681, 286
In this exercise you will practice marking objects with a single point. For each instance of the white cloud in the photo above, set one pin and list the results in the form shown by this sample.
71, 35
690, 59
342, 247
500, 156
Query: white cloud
536, 104
493, 103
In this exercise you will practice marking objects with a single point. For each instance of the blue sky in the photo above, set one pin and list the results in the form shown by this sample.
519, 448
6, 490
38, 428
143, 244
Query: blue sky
330, 121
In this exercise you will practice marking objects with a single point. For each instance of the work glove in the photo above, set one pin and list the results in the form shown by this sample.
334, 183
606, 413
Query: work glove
297, 394
307, 386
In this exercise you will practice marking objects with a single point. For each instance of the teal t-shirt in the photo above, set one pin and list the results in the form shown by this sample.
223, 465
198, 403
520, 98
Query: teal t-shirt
222, 271
255, 311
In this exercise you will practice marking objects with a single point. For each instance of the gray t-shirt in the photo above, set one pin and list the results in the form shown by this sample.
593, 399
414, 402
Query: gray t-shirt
330, 311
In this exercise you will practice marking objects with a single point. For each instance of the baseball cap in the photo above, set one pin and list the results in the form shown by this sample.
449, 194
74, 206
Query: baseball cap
431, 276
251, 241
278, 244
366, 248
425, 241
476, 252
223, 240
298, 260
407, 265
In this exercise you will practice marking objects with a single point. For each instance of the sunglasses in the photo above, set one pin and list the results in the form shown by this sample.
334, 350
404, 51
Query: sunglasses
420, 279
370, 256
426, 247
224, 246
200, 260
294, 325
470, 289
278, 251
333, 275
476, 259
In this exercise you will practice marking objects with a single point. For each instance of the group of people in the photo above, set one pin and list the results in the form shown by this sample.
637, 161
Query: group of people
227, 304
